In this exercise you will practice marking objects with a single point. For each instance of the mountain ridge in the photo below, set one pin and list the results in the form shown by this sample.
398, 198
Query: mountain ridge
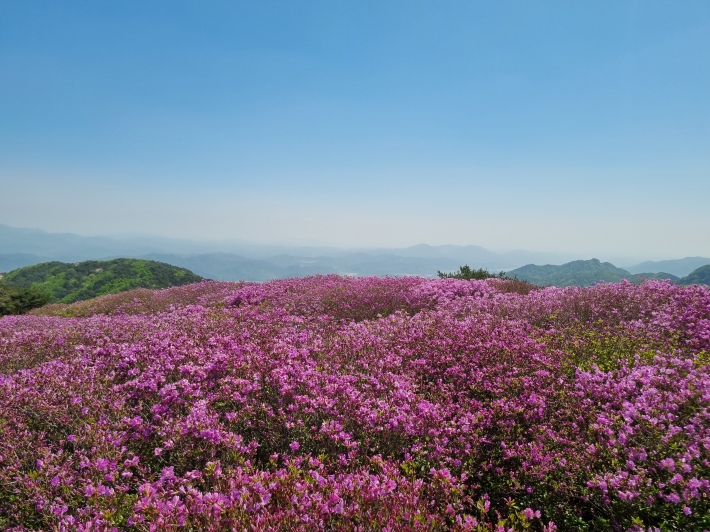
23, 247
678, 267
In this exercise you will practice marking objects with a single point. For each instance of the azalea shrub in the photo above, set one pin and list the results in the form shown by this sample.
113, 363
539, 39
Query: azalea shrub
338, 403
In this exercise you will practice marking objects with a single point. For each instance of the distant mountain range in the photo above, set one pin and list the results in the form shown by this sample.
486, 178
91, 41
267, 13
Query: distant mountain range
236, 260
233, 260
680, 267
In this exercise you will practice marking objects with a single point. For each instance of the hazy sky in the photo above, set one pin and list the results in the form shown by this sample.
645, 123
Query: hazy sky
561, 126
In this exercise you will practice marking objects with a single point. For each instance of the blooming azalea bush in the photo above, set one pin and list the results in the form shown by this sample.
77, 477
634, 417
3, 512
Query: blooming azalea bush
331, 403
144, 300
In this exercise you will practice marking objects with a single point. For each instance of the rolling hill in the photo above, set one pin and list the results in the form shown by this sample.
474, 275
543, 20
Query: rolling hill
589, 272
69, 282
698, 276
582, 273
575, 273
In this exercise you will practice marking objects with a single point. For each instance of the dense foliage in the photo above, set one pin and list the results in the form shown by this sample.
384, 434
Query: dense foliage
20, 300
67, 283
331, 403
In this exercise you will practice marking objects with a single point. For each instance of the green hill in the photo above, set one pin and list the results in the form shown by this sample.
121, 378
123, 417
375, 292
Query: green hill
575, 273
582, 273
698, 276
66, 283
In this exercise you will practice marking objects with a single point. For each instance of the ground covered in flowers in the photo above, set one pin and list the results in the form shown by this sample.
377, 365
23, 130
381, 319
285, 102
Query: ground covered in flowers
331, 403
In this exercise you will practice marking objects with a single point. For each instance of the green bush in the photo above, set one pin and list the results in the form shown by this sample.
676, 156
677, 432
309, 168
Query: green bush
15, 300
467, 273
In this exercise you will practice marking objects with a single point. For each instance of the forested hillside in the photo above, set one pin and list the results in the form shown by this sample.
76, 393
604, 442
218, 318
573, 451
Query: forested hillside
698, 276
576, 273
583, 273
66, 283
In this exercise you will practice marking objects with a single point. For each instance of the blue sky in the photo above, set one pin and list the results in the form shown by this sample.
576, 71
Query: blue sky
578, 127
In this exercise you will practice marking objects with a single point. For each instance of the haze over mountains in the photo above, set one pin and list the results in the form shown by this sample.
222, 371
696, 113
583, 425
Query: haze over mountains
680, 267
237, 260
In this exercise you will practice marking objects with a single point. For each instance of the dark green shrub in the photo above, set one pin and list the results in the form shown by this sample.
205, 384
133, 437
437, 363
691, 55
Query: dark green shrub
15, 300
467, 273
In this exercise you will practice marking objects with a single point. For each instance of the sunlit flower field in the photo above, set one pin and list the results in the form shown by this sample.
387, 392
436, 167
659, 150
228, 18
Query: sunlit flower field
331, 403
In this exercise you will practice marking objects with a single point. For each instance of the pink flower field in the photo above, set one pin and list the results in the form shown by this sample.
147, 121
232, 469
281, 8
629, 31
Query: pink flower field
331, 403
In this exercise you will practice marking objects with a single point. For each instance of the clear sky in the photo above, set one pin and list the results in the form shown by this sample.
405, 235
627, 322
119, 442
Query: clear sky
552, 126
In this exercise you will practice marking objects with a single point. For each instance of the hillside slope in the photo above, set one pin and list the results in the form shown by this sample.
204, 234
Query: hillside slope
67, 282
575, 273
698, 276
659, 275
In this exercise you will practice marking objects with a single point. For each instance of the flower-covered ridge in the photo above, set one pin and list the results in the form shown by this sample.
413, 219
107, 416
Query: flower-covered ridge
338, 403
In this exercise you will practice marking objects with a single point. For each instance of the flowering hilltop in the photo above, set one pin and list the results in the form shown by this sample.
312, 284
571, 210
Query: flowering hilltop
331, 403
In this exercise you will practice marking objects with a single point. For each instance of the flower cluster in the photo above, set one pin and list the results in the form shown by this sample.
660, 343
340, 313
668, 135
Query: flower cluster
332, 403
